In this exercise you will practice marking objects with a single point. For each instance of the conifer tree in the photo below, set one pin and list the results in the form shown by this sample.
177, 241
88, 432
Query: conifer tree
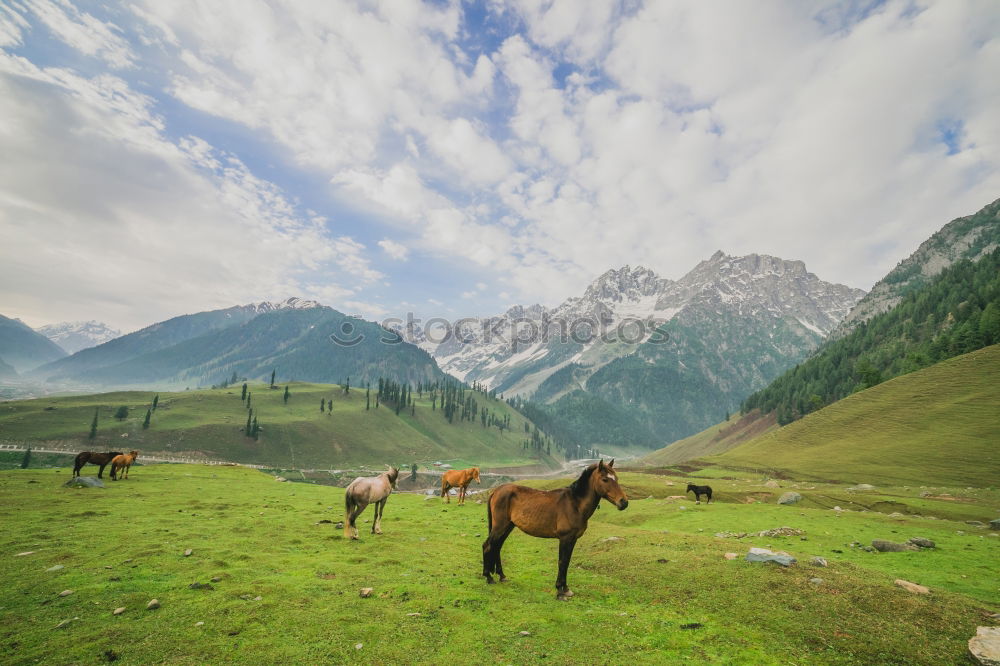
347, 387
246, 430
322, 405
26, 460
156, 400
286, 395
368, 398
145, 422
254, 429
272, 378
93, 425
243, 395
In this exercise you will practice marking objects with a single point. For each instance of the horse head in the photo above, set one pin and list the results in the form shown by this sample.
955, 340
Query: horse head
475, 474
604, 481
133, 455
392, 475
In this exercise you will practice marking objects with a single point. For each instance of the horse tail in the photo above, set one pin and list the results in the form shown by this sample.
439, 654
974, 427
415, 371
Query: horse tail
348, 507
489, 515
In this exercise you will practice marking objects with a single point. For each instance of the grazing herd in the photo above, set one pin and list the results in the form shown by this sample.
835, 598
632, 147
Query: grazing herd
549, 514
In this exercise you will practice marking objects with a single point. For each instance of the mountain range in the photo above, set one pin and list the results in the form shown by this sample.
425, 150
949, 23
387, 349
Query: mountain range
22, 348
72, 336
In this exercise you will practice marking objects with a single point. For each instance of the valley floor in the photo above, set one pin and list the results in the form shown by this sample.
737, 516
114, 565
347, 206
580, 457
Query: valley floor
652, 583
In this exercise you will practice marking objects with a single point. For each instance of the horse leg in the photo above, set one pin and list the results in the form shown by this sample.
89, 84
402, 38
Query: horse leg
354, 517
566, 546
377, 523
501, 528
498, 567
461, 494
444, 491
100, 472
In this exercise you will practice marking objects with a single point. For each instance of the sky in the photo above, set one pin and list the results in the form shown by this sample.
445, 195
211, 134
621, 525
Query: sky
453, 158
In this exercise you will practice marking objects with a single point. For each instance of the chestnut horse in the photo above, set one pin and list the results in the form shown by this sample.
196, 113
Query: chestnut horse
458, 478
94, 458
363, 491
122, 462
553, 514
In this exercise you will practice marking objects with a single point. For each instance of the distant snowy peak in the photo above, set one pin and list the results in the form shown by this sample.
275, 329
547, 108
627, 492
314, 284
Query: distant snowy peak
625, 284
293, 303
72, 336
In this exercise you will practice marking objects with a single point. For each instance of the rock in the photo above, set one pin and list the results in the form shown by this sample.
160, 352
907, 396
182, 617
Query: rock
731, 556
201, 586
896, 514
818, 561
683, 507
153, 604
55, 568
781, 531
921, 542
118, 611
524, 633
692, 625
772, 484
324, 521
413, 615
925, 493
612, 538
765, 555
216, 579
84, 482
791, 497
816, 581
66, 623
246, 597
976, 523
862, 486
27, 552
911, 587
187, 553
995, 524
985, 646
280, 478
258, 598
837, 509
884, 546
65, 593
199, 624
366, 592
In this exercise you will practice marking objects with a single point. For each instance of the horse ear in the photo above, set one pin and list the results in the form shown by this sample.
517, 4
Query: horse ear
600, 465
612, 463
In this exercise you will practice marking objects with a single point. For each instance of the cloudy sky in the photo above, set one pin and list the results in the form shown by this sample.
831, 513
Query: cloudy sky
158, 158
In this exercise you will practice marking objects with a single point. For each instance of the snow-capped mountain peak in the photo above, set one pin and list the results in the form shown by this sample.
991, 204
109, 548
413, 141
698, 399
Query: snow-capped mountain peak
72, 336
293, 303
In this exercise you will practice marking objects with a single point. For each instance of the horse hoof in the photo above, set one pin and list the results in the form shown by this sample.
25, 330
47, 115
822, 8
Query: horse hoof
489, 580
503, 579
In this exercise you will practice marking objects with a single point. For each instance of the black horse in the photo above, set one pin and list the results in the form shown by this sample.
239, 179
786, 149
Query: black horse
699, 491
94, 458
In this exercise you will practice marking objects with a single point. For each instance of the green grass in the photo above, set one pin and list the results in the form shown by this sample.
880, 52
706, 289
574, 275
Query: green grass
718, 438
123, 545
938, 426
210, 423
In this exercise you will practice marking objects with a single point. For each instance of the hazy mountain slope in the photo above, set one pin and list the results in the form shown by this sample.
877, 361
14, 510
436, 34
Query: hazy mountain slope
23, 348
72, 336
295, 342
968, 237
7, 370
715, 439
937, 426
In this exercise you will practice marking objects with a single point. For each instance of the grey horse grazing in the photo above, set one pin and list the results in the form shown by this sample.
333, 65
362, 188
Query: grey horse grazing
363, 491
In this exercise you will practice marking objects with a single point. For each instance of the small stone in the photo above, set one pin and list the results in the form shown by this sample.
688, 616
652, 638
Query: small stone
366, 592
816, 581
187, 553
764, 555
612, 538
413, 615
912, 587
199, 624
66, 623
731, 556
985, 646
818, 561
884, 546
27, 552
524, 633
65, 593
790, 497
55, 568
201, 586
358, 646
921, 542
118, 611
153, 604
772, 484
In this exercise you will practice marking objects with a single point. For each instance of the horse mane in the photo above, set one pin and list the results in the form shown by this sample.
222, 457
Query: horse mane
393, 473
581, 486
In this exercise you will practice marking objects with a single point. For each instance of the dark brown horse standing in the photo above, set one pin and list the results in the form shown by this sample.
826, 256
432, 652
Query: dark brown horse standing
554, 514
458, 478
94, 458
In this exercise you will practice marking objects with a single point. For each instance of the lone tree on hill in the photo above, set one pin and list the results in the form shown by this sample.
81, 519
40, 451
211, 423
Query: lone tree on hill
26, 460
145, 422
272, 379
156, 400
347, 387
413, 472
243, 396
255, 429
322, 405
329, 406
246, 430
93, 424
286, 395
121, 413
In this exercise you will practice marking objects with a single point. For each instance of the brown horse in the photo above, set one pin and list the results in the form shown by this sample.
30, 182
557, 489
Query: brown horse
363, 491
120, 462
458, 478
94, 458
554, 514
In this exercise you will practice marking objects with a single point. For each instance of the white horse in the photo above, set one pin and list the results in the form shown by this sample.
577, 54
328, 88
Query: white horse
363, 491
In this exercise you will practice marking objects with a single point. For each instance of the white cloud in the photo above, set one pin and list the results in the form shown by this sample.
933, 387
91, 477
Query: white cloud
395, 250
131, 226
84, 32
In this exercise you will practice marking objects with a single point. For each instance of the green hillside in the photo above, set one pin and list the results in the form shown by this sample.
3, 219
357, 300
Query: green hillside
22, 348
716, 439
278, 586
937, 426
210, 423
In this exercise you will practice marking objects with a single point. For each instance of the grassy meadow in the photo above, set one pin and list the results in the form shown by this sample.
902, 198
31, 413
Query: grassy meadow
287, 586
210, 423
